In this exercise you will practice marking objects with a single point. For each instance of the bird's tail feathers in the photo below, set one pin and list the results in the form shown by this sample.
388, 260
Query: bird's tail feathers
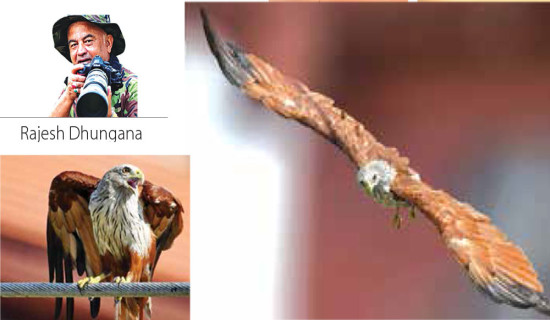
148, 308
132, 309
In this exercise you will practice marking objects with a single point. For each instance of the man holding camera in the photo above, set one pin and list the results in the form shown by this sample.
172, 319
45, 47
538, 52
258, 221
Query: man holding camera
91, 43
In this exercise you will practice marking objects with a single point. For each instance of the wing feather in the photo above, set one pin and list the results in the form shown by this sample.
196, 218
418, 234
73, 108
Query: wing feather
69, 233
164, 212
497, 266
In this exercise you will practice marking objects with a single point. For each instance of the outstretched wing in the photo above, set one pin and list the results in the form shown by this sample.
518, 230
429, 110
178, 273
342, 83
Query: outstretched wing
164, 213
496, 266
69, 233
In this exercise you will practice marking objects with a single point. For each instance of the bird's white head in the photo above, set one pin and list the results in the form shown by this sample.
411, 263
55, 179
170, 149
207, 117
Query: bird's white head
126, 176
376, 177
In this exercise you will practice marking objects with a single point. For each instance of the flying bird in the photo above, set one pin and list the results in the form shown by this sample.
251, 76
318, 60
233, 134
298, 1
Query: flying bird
113, 229
496, 266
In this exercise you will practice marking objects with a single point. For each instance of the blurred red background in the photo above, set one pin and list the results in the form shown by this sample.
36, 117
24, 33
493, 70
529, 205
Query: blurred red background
460, 89
24, 186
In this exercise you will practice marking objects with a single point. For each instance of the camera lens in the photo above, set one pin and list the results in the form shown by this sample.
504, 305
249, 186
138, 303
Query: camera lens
93, 97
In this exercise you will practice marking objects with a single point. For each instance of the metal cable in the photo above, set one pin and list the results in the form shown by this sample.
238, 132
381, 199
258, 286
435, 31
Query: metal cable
104, 289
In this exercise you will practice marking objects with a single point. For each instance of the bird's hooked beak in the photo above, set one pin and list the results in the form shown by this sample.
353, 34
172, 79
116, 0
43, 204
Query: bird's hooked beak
376, 192
365, 186
136, 179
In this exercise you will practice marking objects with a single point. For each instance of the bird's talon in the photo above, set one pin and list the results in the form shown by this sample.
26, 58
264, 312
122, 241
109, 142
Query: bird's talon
83, 283
412, 212
119, 280
397, 221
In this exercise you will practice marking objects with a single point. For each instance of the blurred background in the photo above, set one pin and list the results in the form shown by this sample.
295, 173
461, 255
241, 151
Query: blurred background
24, 187
460, 89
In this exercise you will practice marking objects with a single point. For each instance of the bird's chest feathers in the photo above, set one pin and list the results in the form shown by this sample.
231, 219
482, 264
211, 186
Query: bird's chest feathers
119, 226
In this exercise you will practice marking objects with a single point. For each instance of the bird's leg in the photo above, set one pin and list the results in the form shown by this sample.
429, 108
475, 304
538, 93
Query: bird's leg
397, 219
118, 280
412, 212
84, 282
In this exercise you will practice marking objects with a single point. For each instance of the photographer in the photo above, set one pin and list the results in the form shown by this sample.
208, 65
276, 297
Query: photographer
80, 38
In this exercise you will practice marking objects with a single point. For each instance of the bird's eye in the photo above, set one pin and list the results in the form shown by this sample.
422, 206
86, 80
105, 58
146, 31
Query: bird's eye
126, 170
374, 178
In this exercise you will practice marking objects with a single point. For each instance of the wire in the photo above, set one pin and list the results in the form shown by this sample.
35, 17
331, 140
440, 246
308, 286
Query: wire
104, 289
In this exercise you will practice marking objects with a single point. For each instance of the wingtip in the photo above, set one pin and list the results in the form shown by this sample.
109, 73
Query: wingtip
52, 255
232, 60
204, 16
55, 264
95, 304
58, 306
70, 308
543, 305
517, 295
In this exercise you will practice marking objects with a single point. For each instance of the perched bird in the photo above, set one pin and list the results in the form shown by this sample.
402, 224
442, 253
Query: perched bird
114, 229
495, 265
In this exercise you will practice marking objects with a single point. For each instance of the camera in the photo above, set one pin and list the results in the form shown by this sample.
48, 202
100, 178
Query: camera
92, 101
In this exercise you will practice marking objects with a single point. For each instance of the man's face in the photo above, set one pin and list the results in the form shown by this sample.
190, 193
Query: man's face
86, 40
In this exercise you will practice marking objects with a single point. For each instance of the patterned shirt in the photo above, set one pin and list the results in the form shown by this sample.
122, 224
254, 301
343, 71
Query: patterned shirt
124, 100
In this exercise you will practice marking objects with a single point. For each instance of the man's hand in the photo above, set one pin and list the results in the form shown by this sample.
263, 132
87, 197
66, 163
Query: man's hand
75, 82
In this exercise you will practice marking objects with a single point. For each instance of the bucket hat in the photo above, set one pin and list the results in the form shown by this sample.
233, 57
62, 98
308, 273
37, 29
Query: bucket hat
60, 28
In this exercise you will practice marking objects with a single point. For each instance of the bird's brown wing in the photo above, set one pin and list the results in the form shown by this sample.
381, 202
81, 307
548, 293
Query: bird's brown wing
496, 266
164, 213
294, 100
69, 233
